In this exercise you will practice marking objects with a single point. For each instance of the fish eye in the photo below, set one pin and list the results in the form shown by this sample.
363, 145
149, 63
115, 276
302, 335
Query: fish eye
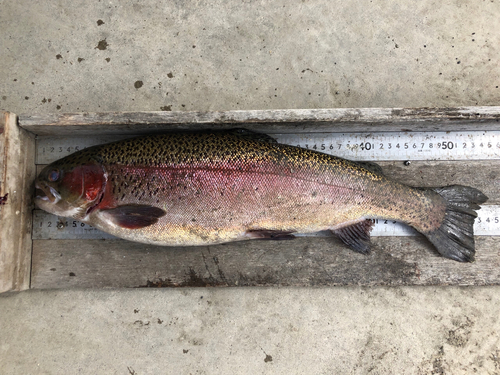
54, 175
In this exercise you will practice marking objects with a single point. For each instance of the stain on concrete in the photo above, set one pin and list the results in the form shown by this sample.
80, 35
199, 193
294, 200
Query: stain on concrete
434, 365
460, 336
268, 357
138, 84
437, 363
102, 45
495, 357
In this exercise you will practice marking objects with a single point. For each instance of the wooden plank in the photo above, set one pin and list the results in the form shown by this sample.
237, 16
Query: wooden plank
481, 174
17, 174
269, 121
302, 262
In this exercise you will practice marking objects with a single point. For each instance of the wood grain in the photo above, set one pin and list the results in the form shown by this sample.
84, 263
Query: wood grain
268, 121
17, 172
301, 262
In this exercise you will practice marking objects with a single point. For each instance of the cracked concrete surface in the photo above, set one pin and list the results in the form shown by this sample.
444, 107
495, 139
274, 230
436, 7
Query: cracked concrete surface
59, 56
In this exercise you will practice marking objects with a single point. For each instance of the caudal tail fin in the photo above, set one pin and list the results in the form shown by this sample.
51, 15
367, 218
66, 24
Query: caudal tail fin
454, 239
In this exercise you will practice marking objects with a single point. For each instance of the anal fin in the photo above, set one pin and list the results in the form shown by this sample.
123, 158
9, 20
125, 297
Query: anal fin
356, 236
269, 234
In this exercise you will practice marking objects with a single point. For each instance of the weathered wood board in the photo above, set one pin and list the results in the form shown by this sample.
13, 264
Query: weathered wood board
17, 172
268, 121
305, 262
301, 262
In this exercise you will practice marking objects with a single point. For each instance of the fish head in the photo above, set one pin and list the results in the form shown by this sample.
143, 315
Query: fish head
65, 188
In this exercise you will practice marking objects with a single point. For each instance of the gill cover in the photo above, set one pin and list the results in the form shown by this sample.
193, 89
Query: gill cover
72, 191
87, 182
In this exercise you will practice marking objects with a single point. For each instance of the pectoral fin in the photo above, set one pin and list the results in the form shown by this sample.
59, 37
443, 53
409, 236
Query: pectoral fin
134, 216
356, 236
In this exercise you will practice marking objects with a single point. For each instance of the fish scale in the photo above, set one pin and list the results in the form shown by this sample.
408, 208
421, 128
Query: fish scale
216, 187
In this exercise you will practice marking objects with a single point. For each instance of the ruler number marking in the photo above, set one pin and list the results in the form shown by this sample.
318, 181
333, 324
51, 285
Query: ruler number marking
473, 145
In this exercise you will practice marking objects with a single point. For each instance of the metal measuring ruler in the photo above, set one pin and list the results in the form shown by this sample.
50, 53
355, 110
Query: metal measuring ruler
453, 145
471, 145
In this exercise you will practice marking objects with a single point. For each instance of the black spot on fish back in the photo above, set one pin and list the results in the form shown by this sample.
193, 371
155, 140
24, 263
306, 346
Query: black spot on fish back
217, 149
180, 148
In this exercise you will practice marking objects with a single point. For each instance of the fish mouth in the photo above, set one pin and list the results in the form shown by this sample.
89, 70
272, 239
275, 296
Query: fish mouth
46, 193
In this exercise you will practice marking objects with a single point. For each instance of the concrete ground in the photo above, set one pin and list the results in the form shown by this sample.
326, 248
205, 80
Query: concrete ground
58, 56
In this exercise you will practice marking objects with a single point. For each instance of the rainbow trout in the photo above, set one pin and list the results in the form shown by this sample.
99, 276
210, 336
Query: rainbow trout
185, 189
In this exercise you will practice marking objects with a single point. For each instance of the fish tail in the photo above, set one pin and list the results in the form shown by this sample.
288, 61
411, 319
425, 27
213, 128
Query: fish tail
454, 238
